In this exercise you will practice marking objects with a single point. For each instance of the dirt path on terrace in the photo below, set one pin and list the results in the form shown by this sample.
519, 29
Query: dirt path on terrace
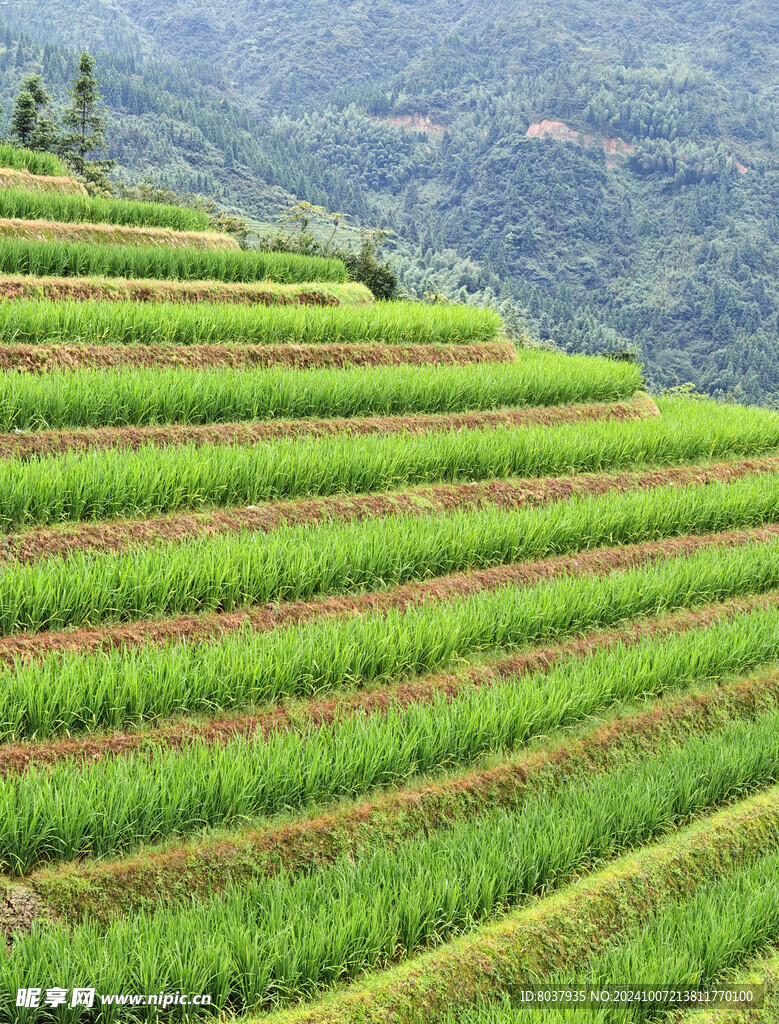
122, 535
196, 628
113, 234
17, 758
43, 358
56, 442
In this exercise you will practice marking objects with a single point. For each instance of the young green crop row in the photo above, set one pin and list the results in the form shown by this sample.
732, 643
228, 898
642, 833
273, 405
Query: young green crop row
76, 692
281, 938
80, 259
42, 320
300, 562
57, 206
140, 397
21, 159
105, 484
692, 947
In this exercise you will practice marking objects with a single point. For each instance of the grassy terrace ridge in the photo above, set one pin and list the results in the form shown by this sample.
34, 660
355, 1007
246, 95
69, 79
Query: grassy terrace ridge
110, 235
43, 358
20, 159
560, 933
131, 257
118, 687
23, 180
691, 943
106, 289
301, 843
381, 907
143, 397
25, 205
400, 323
151, 480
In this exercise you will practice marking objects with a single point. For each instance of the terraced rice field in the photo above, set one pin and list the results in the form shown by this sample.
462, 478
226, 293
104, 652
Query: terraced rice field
358, 667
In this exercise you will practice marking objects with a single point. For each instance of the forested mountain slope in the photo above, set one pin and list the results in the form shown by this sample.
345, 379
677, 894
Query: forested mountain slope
664, 238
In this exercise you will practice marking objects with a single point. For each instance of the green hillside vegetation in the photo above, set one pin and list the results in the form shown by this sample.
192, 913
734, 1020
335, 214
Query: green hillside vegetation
672, 252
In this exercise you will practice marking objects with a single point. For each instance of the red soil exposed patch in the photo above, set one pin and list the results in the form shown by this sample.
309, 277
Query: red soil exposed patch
412, 122
210, 626
43, 358
418, 123
16, 758
24, 446
613, 148
507, 494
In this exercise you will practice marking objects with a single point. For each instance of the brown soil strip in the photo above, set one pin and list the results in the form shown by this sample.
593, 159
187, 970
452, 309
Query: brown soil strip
199, 870
26, 182
104, 289
56, 442
122, 535
16, 758
112, 234
43, 358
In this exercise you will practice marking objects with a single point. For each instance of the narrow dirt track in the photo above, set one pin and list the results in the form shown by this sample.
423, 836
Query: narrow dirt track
196, 628
16, 758
121, 535
57, 442
82, 289
114, 234
43, 358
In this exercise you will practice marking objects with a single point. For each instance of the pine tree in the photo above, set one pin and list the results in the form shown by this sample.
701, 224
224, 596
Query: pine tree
87, 123
33, 84
24, 118
39, 129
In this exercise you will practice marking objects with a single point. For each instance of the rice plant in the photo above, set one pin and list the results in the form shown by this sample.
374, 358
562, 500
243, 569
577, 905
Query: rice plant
138, 397
301, 562
364, 911
20, 159
82, 259
42, 320
103, 484
56, 206
75, 692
